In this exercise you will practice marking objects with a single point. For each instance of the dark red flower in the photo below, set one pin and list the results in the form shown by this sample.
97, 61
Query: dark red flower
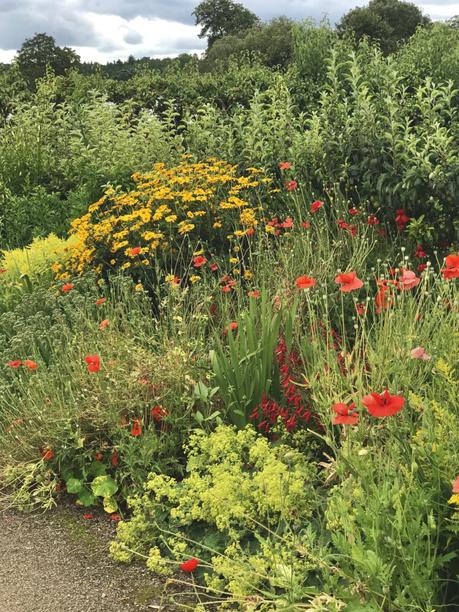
344, 414
98, 456
401, 219
384, 404
17, 363
291, 185
422, 267
373, 220
315, 206
93, 363
158, 413
305, 282
348, 282
136, 429
452, 267
419, 252
47, 454
115, 458
199, 261
353, 211
67, 287
115, 518
190, 565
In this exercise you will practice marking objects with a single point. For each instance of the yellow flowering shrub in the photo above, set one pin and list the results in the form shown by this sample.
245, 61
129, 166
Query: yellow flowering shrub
169, 213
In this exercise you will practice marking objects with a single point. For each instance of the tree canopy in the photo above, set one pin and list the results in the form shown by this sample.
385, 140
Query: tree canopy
219, 18
40, 52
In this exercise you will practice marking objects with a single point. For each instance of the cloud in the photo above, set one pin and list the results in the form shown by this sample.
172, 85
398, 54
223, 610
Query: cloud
104, 30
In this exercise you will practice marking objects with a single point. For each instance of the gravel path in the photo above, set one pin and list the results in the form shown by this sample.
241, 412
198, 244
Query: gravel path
58, 562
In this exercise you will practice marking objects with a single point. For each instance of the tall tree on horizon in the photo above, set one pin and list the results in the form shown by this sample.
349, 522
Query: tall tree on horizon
219, 18
40, 52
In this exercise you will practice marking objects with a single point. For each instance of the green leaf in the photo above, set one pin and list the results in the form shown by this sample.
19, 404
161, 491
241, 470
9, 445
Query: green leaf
104, 486
110, 505
74, 485
86, 498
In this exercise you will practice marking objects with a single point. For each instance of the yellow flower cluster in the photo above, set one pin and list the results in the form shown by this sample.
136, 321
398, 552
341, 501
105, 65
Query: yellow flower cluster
191, 203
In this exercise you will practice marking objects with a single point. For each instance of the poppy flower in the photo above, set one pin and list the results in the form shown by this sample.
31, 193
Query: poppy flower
452, 267
344, 416
419, 252
14, 364
190, 565
422, 267
408, 280
98, 456
47, 454
456, 485
287, 224
199, 261
100, 301
254, 294
115, 458
30, 365
373, 220
361, 308
213, 267
115, 518
88, 516
305, 282
401, 219
384, 404
136, 429
104, 324
67, 287
419, 353
135, 251
285, 165
348, 282
382, 300
158, 413
291, 185
231, 327
305, 225
353, 211
93, 363
315, 206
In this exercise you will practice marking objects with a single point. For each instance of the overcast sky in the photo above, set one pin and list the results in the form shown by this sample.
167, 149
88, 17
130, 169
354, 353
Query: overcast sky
104, 30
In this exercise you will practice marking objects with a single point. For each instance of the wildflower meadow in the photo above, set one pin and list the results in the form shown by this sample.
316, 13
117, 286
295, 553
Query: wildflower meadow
229, 319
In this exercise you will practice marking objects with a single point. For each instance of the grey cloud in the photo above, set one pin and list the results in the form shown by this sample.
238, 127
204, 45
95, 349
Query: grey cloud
133, 38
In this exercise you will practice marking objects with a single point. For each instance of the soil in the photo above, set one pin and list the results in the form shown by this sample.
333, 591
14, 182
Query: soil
58, 562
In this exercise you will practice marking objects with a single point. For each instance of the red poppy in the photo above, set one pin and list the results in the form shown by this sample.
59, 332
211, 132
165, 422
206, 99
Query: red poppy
254, 294
419, 252
30, 365
226, 288
419, 353
452, 267
373, 220
306, 225
382, 301
285, 165
361, 308
291, 185
408, 280
190, 565
100, 301
115, 458
213, 266
401, 219
305, 282
14, 364
250, 231
104, 324
231, 327
88, 516
135, 251
344, 416
158, 413
199, 261
422, 267
93, 363
353, 211
384, 404
287, 224
352, 229
47, 454
136, 429
98, 456
67, 287
315, 206
115, 518
348, 282
456, 485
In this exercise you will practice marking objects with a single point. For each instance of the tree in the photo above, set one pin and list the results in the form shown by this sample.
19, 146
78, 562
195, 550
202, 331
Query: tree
219, 18
40, 52
389, 22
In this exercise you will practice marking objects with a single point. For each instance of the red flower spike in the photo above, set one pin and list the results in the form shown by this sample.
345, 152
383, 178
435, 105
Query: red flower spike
136, 429
348, 281
305, 282
93, 363
344, 416
384, 404
190, 565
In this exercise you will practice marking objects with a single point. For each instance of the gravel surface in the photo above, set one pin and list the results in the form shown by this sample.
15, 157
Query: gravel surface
58, 562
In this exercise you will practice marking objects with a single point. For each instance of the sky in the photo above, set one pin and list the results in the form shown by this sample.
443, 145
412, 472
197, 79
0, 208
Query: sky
106, 30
